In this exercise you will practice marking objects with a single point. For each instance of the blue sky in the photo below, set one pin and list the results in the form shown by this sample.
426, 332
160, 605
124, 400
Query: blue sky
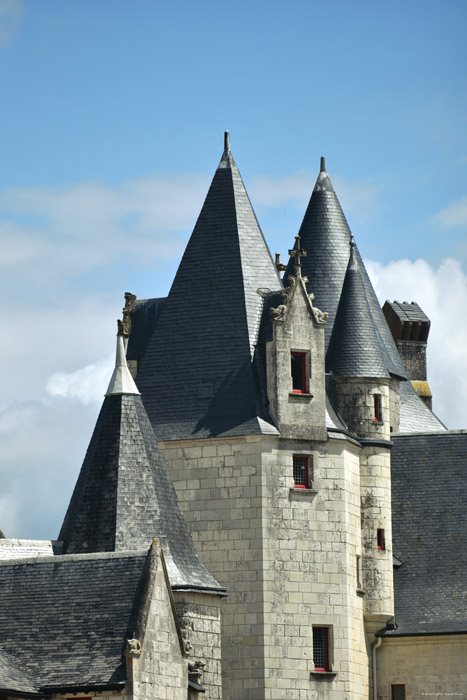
111, 129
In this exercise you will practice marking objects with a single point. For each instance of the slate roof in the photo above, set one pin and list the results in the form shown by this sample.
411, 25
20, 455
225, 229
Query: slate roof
415, 416
144, 319
13, 679
429, 534
198, 377
64, 620
124, 498
356, 348
325, 235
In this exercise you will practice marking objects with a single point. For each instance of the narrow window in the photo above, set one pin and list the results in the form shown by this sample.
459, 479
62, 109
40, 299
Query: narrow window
357, 562
398, 691
321, 648
302, 472
381, 540
298, 369
377, 406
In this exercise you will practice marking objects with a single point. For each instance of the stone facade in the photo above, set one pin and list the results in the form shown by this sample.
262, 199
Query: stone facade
428, 666
287, 556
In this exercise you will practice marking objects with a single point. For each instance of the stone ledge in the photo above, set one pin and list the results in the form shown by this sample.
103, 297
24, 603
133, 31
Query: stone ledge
322, 675
303, 492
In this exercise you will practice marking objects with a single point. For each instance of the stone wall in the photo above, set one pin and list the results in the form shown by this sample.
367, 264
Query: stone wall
287, 558
430, 667
199, 617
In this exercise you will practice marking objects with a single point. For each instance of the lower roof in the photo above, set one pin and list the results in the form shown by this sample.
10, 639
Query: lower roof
64, 621
429, 480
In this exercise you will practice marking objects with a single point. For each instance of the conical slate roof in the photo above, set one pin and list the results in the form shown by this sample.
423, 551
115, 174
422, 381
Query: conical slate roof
355, 348
198, 375
124, 498
325, 235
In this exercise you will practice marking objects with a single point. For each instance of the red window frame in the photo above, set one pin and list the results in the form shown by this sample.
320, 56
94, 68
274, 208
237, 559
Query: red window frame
397, 696
323, 643
377, 406
303, 460
381, 539
299, 383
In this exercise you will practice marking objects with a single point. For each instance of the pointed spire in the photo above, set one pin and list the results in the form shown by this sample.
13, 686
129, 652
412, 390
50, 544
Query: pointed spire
124, 497
211, 319
121, 381
326, 236
356, 348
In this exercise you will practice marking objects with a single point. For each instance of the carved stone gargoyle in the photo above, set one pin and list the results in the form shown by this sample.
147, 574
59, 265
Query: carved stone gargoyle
133, 648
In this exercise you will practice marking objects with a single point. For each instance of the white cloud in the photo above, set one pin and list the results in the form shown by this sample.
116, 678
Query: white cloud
83, 226
11, 13
442, 294
454, 215
87, 385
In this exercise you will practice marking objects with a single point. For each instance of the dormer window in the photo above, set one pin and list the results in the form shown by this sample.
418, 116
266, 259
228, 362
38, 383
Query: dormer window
378, 416
298, 371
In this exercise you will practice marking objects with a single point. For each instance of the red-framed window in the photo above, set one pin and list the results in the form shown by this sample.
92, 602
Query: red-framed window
299, 374
321, 655
381, 539
302, 472
377, 408
398, 691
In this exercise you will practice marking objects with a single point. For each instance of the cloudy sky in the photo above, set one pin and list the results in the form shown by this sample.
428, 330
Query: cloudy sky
112, 125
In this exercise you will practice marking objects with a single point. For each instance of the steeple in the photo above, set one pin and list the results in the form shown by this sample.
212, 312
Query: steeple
356, 348
124, 498
204, 383
326, 236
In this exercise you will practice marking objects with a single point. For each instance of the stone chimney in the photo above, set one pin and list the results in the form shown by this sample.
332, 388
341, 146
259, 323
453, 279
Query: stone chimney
410, 326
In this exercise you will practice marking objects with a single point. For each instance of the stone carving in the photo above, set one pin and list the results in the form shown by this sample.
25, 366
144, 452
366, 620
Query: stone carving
133, 648
320, 316
124, 326
280, 267
296, 252
196, 667
186, 627
279, 313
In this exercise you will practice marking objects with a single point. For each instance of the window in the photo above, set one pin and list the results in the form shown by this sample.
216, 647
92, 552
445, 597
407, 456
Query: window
321, 656
302, 472
298, 370
377, 406
380, 539
398, 691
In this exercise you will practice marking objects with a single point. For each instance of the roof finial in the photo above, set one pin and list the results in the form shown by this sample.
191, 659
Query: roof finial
226, 141
297, 253
352, 241
322, 167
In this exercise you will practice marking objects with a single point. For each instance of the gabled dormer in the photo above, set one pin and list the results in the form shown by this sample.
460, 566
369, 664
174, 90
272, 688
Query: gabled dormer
295, 359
